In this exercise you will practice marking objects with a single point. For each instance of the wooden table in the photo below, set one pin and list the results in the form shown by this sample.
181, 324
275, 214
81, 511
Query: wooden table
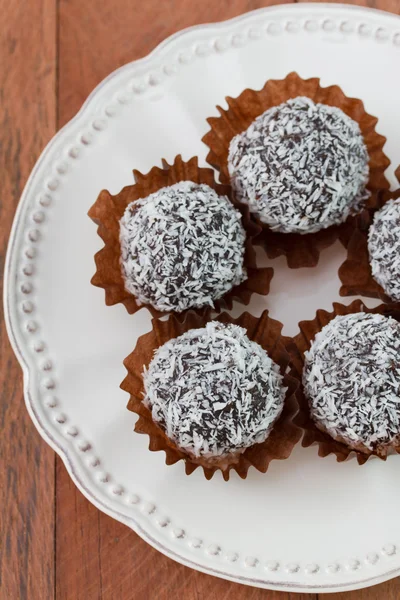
53, 543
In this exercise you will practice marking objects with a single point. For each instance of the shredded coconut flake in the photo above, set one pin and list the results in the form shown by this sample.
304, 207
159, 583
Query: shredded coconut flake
352, 379
182, 247
300, 166
384, 248
213, 391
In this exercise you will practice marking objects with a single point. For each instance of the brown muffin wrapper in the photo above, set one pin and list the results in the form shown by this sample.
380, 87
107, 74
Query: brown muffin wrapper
355, 273
266, 332
107, 211
297, 347
300, 250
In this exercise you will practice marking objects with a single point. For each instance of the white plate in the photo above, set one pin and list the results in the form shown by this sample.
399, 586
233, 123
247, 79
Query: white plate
308, 524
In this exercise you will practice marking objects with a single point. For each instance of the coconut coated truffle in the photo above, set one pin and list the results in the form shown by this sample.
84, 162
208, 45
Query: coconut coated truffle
351, 378
384, 248
300, 166
182, 247
213, 391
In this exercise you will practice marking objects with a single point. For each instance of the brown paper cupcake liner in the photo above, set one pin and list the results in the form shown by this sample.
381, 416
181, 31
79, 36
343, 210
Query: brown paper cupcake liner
107, 211
300, 250
355, 273
297, 347
266, 332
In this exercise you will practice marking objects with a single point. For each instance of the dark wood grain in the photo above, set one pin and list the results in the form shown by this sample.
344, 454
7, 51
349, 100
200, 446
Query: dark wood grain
27, 122
53, 542
385, 591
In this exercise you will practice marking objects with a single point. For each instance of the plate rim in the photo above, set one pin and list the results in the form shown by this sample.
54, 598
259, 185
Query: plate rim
12, 321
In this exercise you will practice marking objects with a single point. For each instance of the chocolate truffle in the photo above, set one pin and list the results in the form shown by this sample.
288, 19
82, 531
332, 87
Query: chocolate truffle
213, 391
384, 248
300, 166
351, 378
182, 247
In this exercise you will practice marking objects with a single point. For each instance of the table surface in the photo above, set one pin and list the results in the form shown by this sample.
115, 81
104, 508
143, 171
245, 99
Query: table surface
53, 542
